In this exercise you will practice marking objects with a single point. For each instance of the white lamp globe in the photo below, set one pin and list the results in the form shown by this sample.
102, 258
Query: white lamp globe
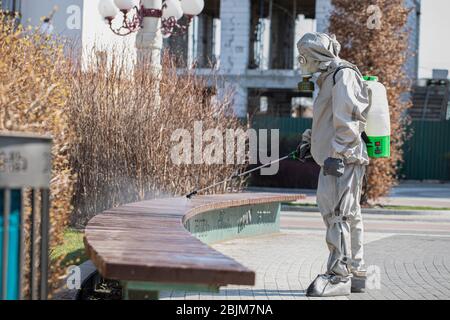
172, 9
107, 9
124, 5
192, 7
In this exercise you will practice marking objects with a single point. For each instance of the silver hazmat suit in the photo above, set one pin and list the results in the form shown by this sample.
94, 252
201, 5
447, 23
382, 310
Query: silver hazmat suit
339, 118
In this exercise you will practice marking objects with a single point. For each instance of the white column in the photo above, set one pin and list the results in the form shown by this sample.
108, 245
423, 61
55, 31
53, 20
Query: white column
149, 41
323, 10
235, 34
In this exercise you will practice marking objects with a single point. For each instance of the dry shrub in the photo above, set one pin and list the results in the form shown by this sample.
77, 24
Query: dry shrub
123, 135
33, 94
381, 52
107, 126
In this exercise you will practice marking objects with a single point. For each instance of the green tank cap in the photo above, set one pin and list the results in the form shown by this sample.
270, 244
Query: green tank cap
370, 78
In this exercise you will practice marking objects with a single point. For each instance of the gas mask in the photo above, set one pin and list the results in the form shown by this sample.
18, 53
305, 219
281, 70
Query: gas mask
308, 67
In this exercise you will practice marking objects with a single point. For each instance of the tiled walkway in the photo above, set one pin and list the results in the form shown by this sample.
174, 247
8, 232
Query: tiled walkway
408, 258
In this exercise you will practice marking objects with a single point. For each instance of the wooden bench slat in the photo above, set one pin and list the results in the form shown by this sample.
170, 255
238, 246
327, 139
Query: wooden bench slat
147, 241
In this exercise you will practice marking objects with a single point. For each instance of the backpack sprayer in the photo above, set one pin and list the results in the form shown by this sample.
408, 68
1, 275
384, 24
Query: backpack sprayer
292, 155
378, 127
376, 136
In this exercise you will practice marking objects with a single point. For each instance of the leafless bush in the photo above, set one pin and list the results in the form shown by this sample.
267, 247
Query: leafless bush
122, 148
111, 138
33, 94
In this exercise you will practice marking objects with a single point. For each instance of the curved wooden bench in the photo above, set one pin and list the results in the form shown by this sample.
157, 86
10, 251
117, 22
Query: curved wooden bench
161, 244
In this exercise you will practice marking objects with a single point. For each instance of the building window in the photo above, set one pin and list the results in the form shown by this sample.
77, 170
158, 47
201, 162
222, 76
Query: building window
200, 46
275, 29
279, 103
11, 5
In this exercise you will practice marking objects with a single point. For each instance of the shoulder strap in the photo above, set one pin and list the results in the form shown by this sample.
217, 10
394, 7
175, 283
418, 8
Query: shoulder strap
339, 69
364, 136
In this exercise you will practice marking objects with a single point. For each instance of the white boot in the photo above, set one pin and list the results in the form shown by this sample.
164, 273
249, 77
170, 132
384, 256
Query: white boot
326, 285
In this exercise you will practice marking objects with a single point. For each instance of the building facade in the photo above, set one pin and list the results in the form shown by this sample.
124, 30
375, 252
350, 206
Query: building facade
257, 51
249, 43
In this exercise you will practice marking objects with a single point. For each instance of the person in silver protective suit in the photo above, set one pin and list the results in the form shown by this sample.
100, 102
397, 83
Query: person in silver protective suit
335, 143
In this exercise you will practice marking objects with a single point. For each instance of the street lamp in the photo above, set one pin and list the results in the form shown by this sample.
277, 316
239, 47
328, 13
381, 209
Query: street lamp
152, 20
131, 14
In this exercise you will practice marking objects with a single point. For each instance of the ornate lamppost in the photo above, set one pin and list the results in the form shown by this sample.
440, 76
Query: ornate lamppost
151, 19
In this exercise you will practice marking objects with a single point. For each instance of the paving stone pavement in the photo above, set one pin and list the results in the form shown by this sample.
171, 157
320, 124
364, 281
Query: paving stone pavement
407, 193
405, 265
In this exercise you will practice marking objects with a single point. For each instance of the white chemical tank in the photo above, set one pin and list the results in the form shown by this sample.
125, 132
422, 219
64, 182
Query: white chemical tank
378, 127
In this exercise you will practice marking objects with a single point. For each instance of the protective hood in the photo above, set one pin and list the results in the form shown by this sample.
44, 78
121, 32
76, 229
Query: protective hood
320, 47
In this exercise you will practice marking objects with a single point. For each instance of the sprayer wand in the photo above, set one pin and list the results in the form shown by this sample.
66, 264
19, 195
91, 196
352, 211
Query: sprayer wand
292, 155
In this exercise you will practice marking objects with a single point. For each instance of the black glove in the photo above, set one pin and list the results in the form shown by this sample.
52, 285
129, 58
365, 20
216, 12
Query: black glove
333, 167
303, 151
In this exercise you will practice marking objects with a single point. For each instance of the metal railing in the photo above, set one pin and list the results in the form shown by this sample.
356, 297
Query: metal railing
25, 169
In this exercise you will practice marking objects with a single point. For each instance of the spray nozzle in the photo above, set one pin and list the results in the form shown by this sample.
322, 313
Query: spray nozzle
190, 195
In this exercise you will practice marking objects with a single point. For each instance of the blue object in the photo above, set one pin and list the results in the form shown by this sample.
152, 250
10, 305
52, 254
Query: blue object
13, 245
